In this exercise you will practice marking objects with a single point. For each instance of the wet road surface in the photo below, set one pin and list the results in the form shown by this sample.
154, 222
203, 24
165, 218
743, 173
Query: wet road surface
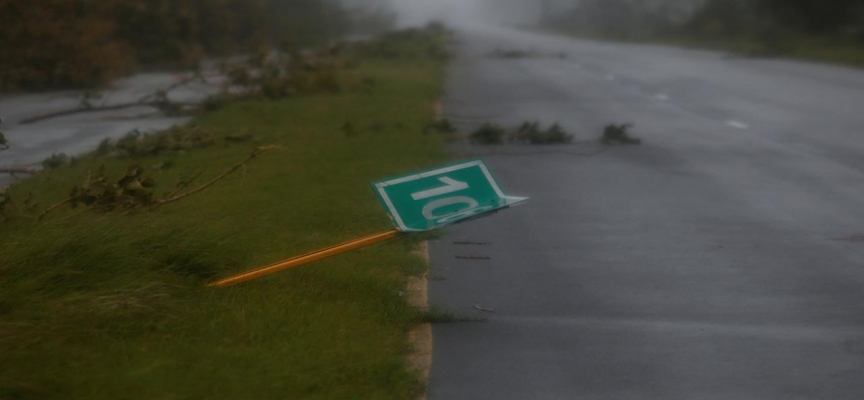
80, 133
721, 259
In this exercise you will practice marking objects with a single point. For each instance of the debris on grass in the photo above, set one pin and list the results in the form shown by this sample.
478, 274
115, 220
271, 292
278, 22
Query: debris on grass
85, 278
163, 165
134, 191
136, 144
291, 72
55, 161
239, 137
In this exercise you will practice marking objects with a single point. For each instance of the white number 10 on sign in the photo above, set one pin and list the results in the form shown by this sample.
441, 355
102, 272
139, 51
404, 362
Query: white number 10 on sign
432, 199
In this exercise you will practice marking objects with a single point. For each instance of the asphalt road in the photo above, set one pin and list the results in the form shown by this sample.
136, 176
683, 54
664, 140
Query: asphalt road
721, 259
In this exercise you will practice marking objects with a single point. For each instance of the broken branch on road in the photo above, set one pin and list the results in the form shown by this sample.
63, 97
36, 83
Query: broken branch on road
479, 308
17, 171
158, 99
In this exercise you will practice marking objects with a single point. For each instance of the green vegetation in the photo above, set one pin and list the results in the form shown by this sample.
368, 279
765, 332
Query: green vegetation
55, 161
102, 304
488, 134
532, 133
831, 30
819, 30
83, 43
408, 44
528, 133
618, 135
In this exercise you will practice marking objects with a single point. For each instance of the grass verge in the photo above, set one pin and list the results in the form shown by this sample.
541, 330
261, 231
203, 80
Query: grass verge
107, 306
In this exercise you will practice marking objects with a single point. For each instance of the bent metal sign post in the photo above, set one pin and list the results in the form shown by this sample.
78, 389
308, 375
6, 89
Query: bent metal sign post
419, 202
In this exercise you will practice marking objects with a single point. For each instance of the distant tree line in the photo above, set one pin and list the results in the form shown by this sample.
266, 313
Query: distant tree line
769, 20
807, 17
78, 43
626, 19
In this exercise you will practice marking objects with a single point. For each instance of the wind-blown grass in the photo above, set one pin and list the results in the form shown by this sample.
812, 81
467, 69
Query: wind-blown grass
110, 306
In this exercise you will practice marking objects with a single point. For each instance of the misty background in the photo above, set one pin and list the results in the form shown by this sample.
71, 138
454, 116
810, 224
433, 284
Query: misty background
50, 43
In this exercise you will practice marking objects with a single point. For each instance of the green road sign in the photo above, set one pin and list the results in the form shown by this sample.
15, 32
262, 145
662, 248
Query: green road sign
432, 199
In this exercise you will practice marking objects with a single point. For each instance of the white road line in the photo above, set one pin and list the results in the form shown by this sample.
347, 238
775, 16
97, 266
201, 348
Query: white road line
661, 97
737, 124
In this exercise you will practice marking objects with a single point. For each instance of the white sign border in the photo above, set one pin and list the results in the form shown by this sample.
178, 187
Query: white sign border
399, 222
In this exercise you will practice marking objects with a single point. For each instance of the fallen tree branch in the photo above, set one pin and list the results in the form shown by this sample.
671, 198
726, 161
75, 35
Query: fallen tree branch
160, 102
133, 184
62, 203
54, 207
479, 308
182, 185
14, 171
175, 85
172, 199
82, 110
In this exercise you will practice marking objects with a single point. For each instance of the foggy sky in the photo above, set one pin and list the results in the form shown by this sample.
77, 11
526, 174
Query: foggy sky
418, 12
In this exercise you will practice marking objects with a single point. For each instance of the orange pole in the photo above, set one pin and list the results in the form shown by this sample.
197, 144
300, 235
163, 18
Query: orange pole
306, 258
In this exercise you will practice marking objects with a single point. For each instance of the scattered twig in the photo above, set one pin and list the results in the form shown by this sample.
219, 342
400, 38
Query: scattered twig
54, 207
62, 203
178, 197
473, 258
182, 185
476, 307
132, 187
